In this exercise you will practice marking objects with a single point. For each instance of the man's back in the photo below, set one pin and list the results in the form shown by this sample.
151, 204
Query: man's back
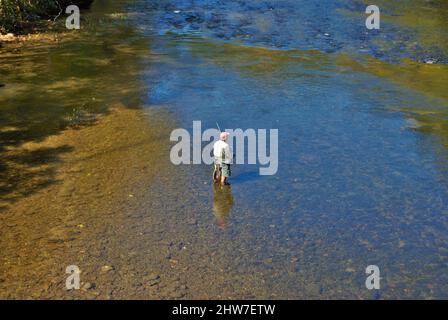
221, 152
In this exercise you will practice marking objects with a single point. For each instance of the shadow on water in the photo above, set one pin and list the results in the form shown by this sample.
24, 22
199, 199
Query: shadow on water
49, 86
245, 177
25, 171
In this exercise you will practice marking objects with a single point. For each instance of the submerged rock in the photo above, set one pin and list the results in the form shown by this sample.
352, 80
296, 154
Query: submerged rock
7, 37
152, 280
430, 61
88, 286
106, 268
153, 276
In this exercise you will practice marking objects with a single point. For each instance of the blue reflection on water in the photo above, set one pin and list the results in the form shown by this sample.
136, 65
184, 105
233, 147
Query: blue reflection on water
355, 186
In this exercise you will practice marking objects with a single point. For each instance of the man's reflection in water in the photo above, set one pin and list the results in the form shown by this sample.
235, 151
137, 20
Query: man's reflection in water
222, 204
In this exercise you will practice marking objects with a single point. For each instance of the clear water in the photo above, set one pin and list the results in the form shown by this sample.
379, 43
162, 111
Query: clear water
355, 185
362, 155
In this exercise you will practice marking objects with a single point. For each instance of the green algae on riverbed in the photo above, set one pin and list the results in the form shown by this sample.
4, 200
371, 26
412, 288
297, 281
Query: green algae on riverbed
257, 60
427, 19
430, 80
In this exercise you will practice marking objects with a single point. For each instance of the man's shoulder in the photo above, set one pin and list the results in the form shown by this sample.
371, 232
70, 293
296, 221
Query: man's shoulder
221, 144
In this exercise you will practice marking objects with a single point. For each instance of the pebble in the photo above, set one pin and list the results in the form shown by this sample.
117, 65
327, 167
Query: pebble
153, 276
87, 286
106, 268
192, 222
7, 37
153, 279
167, 243
152, 283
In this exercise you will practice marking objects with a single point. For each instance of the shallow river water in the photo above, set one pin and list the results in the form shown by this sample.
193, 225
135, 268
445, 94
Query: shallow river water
362, 179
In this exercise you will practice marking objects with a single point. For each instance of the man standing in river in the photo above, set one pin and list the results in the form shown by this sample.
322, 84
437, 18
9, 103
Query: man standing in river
223, 159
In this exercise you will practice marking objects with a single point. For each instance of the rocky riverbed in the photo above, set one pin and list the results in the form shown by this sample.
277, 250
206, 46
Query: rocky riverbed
86, 179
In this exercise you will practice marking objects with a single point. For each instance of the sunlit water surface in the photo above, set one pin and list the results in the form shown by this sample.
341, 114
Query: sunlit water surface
362, 161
